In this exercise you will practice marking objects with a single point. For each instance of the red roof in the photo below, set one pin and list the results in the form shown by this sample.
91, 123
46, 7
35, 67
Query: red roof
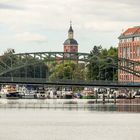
131, 31
138, 31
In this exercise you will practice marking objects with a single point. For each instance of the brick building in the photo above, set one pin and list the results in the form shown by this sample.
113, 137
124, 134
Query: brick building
129, 48
70, 45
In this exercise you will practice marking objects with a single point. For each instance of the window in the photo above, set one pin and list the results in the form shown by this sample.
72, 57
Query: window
137, 51
136, 38
128, 52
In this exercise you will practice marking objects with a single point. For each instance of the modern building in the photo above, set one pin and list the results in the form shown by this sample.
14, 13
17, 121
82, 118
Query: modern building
70, 44
129, 48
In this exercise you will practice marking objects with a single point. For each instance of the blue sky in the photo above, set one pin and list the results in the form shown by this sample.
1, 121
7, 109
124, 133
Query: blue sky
42, 25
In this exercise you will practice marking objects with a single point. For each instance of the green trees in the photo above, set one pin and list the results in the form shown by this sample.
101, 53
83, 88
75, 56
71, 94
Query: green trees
102, 64
68, 70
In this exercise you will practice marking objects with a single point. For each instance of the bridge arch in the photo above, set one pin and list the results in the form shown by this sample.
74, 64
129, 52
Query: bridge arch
9, 64
13, 63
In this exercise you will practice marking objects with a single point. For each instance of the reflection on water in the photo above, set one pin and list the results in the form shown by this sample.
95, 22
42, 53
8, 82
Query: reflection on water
69, 105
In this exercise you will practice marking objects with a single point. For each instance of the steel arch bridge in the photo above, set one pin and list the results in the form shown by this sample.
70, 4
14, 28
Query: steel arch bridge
14, 62
11, 64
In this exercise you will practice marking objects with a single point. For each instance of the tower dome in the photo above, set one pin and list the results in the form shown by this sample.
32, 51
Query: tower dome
70, 44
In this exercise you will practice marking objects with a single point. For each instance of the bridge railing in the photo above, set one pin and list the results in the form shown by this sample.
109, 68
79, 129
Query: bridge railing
21, 80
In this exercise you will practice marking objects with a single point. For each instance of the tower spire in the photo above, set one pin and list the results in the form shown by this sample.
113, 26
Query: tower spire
70, 32
70, 44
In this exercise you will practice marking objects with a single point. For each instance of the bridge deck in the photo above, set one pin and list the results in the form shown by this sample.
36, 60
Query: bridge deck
38, 81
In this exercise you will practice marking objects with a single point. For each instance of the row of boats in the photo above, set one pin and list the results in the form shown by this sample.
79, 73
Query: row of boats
11, 92
22, 92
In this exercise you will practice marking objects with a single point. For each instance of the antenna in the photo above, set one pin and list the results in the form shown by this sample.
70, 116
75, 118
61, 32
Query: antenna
70, 23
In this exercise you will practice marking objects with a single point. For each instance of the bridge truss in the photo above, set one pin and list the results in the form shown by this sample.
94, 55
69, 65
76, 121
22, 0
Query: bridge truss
36, 64
15, 63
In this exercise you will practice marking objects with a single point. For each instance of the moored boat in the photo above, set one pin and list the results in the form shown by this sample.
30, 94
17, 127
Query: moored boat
9, 92
27, 93
41, 93
88, 93
67, 93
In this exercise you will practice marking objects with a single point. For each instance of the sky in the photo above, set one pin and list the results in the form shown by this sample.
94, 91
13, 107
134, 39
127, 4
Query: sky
42, 25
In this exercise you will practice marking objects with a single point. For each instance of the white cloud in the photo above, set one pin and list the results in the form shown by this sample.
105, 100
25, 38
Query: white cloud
11, 7
25, 37
30, 37
53, 14
39, 16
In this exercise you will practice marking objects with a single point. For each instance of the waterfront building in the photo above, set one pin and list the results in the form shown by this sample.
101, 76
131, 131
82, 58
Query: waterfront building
129, 48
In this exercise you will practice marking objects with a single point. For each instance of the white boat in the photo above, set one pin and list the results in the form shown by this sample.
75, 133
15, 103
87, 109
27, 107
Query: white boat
41, 93
88, 93
29, 96
26, 93
67, 93
9, 92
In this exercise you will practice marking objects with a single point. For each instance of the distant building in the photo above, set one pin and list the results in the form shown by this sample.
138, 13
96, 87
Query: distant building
129, 48
70, 45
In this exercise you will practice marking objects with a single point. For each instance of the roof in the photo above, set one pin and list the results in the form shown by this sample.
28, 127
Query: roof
131, 32
70, 42
70, 29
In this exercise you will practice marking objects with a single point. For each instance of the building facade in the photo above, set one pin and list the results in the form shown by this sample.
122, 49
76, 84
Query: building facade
70, 44
129, 48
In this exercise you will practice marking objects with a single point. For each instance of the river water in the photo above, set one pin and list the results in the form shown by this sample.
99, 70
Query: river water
69, 123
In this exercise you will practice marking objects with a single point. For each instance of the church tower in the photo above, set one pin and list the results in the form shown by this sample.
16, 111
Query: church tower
70, 45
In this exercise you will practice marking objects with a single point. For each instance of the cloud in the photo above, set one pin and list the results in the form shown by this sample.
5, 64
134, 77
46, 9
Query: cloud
10, 7
25, 37
30, 37
51, 17
50, 14
24, 42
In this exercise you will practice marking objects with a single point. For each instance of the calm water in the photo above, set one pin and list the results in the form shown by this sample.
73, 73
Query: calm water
66, 124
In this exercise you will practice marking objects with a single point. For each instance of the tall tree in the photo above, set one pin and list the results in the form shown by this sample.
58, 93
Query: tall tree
101, 64
96, 50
